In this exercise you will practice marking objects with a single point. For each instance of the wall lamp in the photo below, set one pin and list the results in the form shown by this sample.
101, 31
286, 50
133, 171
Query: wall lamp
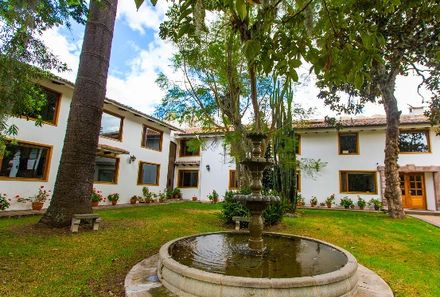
131, 159
208, 167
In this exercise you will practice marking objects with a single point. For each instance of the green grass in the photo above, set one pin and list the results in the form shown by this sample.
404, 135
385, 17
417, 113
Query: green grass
43, 262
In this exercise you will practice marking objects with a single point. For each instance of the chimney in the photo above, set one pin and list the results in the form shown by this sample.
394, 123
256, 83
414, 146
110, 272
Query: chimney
416, 110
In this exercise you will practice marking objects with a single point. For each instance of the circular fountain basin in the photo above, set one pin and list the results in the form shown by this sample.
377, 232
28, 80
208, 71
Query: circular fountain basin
220, 264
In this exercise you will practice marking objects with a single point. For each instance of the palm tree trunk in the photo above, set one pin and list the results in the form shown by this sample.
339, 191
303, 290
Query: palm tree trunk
392, 179
74, 181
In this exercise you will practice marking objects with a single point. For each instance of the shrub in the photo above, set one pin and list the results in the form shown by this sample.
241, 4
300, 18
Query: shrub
232, 208
274, 213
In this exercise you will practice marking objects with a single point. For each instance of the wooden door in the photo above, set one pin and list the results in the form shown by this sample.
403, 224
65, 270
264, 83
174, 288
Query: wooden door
413, 190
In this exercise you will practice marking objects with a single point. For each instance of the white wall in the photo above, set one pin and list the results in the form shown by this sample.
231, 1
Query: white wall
54, 135
214, 154
324, 145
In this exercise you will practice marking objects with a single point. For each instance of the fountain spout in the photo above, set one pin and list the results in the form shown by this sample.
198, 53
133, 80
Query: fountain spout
256, 202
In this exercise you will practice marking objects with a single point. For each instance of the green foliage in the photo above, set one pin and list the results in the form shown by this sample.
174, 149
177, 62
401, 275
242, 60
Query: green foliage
232, 208
213, 197
361, 202
346, 202
113, 197
274, 213
330, 200
376, 203
314, 201
4, 201
97, 196
23, 23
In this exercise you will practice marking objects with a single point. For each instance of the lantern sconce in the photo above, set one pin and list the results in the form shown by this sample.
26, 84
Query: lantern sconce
208, 167
131, 159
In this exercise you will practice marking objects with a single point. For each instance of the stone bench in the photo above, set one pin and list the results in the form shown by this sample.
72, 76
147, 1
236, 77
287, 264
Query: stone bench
77, 218
238, 220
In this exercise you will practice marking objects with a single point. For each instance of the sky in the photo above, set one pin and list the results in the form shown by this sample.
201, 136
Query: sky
138, 55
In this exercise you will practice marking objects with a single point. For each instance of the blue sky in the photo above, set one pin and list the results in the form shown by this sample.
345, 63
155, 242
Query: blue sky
138, 55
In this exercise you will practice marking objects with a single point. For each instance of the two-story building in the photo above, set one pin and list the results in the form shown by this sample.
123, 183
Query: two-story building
133, 149
355, 160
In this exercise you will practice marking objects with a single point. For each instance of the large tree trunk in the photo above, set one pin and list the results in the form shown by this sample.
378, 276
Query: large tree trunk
74, 181
392, 179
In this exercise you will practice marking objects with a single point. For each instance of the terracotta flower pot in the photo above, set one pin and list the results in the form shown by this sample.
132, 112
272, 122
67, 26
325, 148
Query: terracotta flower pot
194, 198
95, 203
329, 205
114, 202
132, 201
362, 207
37, 205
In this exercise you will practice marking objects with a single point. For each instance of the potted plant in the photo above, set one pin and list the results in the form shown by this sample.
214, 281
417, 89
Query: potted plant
376, 203
213, 197
134, 199
96, 197
346, 202
147, 195
194, 198
37, 200
313, 201
177, 193
113, 198
322, 204
330, 201
162, 197
169, 193
361, 203
4, 201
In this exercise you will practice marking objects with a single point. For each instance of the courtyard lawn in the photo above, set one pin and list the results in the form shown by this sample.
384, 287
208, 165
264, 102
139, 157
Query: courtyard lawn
43, 262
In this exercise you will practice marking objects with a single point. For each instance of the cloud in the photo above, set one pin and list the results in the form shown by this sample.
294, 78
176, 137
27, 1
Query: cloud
147, 17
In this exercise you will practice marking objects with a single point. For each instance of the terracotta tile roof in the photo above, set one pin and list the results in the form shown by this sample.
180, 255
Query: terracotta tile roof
375, 121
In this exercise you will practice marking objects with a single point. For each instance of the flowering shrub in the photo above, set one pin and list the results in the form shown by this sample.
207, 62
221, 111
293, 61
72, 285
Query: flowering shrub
41, 196
4, 202
97, 196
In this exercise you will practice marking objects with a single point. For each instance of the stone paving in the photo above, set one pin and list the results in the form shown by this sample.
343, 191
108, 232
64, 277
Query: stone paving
142, 281
433, 220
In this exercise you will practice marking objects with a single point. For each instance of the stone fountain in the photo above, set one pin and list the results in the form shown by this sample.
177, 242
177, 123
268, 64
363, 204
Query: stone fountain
258, 264
256, 202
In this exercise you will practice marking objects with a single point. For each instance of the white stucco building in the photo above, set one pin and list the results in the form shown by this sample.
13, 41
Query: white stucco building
137, 150
133, 150
355, 156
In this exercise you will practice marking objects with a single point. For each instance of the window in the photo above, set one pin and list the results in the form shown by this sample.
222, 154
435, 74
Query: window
27, 161
148, 174
186, 150
49, 112
111, 126
414, 142
233, 179
358, 182
106, 169
188, 179
348, 143
152, 139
